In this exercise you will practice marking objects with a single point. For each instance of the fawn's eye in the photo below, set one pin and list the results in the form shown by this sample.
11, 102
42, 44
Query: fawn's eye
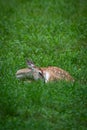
40, 74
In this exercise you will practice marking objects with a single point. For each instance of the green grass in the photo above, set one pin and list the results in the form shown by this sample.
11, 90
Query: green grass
50, 33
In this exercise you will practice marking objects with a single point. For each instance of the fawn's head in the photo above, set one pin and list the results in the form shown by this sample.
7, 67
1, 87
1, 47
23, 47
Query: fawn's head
37, 72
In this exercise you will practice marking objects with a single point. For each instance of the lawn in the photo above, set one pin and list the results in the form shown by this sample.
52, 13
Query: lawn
50, 33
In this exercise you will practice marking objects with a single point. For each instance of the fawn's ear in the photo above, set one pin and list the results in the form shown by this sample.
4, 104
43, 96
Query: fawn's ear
30, 64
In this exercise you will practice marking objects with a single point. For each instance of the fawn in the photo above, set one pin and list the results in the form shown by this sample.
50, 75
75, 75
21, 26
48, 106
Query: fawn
48, 74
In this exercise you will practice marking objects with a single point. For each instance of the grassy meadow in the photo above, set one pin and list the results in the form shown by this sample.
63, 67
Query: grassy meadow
50, 33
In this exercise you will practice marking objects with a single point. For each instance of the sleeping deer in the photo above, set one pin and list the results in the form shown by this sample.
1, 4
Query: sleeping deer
47, 74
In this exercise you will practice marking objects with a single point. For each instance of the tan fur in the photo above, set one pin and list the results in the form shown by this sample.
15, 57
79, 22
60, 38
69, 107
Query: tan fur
58, 73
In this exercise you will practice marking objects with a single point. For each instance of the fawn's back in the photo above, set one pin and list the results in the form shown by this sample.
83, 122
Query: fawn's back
52, 73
